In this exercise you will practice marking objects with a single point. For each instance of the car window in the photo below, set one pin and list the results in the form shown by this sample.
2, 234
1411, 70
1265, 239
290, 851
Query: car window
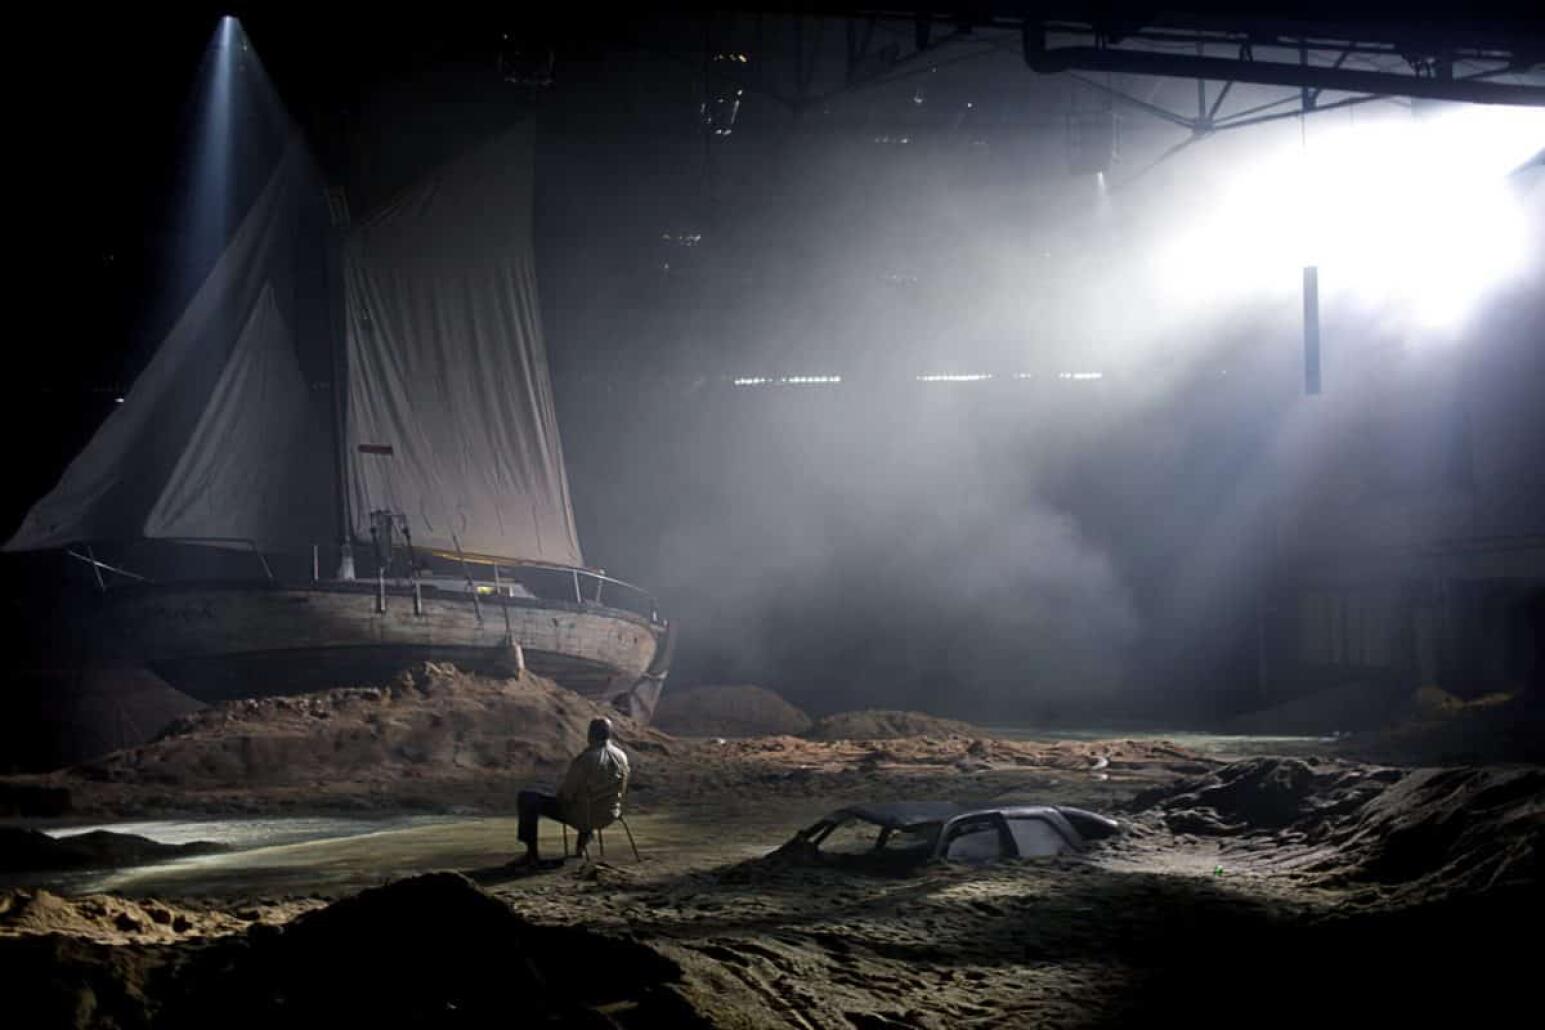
853, 837
1033, 835
916, 839
975, 842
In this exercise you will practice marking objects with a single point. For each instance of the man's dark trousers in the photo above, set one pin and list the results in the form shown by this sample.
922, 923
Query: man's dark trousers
530, 806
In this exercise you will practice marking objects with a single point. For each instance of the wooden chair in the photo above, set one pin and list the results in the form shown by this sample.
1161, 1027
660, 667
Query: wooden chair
600, 839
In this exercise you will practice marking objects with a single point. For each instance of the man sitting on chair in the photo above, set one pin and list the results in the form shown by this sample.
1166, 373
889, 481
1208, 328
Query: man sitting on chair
590, 798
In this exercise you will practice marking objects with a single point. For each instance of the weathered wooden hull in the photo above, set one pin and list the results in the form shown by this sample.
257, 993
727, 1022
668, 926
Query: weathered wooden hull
223, 641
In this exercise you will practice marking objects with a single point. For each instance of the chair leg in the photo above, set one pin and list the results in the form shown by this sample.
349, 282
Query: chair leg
600, 838
631, 843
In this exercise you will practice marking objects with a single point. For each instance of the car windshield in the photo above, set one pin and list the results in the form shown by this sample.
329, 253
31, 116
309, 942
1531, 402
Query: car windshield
859, 836
917, 839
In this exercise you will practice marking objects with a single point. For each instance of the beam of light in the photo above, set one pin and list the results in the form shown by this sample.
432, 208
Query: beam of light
1415, 218
213, 200
1081, 376
954, 377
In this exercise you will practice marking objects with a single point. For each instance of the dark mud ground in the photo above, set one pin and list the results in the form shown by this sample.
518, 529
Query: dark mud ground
1265, 891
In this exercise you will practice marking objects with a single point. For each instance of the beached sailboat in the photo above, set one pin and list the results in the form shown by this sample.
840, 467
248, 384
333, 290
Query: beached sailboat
344, 457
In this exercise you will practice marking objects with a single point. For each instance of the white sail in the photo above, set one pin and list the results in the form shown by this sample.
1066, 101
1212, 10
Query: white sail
139, 473
449, 415
237, 478
451, 422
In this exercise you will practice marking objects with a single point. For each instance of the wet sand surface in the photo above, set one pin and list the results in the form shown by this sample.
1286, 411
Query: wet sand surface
709, 817
338, 864
760, 945
1154, 925
1272, 891
1072, 941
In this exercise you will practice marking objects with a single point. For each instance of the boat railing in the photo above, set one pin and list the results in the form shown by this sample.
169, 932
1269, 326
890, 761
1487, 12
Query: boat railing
503, 578
550, 582
582, 586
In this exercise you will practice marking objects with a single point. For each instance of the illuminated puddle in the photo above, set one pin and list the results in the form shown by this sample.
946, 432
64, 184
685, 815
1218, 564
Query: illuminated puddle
250, 833
294, 856
288, 852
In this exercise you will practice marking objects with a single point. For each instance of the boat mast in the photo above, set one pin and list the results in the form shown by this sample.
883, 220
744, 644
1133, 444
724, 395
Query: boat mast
338, 212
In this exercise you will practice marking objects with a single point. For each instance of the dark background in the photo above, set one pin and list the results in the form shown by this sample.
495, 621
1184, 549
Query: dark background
1033, 549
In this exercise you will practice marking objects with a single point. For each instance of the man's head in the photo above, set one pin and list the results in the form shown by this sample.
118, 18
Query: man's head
600, 730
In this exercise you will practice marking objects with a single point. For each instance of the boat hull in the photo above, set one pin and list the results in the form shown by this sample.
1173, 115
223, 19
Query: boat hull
223, 641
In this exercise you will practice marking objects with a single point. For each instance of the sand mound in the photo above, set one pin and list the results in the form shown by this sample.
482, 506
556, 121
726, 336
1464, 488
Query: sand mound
434, 950
437, 950
434, 720
742, 710
110, 919
880, 724
1427, 832
1448, 830
29, 850
441, 739
1264, 794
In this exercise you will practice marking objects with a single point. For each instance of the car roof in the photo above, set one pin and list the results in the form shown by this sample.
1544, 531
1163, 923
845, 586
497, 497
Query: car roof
901, 815
907, 815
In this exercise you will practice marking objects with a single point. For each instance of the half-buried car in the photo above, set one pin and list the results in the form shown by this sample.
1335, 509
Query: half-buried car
907, 833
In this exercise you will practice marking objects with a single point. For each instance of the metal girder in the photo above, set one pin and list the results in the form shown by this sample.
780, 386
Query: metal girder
1127, 37
1430, 28
1212, 112
1162, 113
1270, 73
1334, 105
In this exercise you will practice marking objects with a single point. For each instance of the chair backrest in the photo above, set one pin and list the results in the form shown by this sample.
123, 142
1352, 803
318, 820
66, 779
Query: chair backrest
606, 818
598, 824
588, 819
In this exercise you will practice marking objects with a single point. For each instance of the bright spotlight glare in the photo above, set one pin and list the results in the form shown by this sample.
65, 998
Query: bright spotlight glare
1416, 216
